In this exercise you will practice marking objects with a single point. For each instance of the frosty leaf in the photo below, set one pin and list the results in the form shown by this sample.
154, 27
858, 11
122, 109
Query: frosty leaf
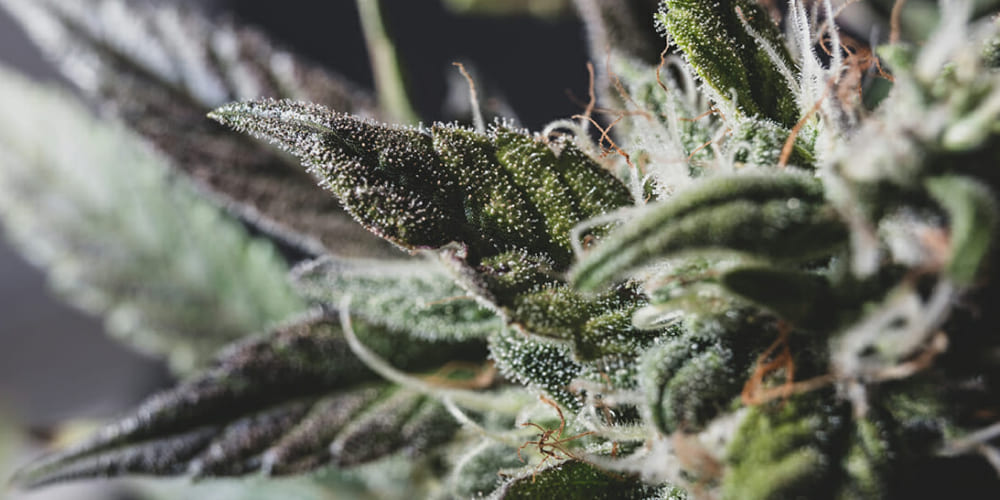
124, 238
729, 59
536, 363
776, 216
289, 402
574, 479
974, 216
476, 473
162, 67
786, 451
693, 376
415, 296
427, 189
596, 326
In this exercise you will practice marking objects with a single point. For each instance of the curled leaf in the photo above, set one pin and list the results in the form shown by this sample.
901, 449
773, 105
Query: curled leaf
694, 375
973, 213
785, 451
776, 216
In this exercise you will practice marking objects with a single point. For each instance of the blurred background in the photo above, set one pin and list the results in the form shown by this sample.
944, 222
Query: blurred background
55, 362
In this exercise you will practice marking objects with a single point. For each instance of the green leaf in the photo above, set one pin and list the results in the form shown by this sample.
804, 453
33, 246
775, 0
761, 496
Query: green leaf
730, 59
693, 375
787, 450
124, 238
596, 326
418, 297
782, 217
476, 474
759, 143
289, 402
804, 299
536, 362
972, 210
574, 479
869, 458
426, 189
170, 66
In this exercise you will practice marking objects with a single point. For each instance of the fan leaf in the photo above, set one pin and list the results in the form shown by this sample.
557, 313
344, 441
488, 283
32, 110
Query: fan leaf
288, 402
974, 215
124, 238
162, 67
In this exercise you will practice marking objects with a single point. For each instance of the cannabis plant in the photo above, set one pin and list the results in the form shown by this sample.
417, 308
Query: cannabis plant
758, 264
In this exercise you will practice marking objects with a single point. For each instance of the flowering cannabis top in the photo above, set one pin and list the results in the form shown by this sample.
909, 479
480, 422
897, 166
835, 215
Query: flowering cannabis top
767, 274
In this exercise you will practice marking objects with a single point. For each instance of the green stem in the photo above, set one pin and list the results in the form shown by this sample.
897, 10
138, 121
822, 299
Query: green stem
386, 70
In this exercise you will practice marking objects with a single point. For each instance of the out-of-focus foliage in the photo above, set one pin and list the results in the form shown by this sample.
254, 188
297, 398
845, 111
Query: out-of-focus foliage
124, 237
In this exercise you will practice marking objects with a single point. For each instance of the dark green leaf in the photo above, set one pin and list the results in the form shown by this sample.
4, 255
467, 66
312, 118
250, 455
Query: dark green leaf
573, 479
732, 61
426, 189
804, 299
289, 402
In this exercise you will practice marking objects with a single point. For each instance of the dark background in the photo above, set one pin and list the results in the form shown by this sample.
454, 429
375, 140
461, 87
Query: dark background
56, 363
